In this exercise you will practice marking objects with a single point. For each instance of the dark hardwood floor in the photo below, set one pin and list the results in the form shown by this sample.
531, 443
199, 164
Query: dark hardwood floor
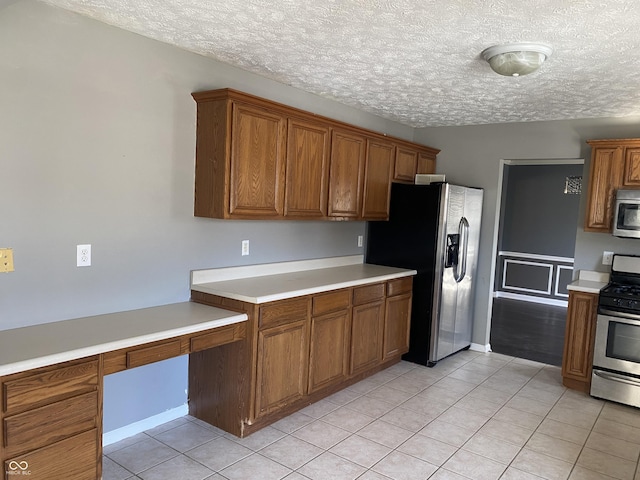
528, 330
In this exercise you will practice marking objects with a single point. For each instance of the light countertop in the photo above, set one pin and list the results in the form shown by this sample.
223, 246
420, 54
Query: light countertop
46, 344
589, 282
288, 284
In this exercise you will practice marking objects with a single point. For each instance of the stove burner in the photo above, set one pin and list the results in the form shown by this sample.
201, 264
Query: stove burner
620, 297
617, 289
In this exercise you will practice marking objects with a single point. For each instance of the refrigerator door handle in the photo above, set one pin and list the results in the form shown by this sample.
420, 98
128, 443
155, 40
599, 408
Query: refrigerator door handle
460, 269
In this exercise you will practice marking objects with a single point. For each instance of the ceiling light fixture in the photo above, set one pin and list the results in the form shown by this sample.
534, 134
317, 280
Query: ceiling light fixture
516, 59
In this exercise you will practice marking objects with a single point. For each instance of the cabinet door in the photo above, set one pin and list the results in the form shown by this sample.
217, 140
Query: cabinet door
632, 167
426, 163
377, 180
578, 339
328, 350
281, 366
366, 336
256, 183
396, 325
406, 165
307, 169
606, 176
345, 174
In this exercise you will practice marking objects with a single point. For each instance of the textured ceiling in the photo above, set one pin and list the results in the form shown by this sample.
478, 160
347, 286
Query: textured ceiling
413, 61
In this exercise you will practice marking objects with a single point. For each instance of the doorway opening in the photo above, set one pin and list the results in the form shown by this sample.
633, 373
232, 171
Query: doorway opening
539, 207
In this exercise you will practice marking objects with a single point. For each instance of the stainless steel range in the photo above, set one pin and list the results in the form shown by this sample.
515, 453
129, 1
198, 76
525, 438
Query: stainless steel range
616, 357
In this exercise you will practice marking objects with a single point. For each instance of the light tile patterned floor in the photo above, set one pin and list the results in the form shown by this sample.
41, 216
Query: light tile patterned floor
473, 416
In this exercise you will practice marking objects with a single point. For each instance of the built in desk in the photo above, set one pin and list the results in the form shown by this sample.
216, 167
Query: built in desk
52, 377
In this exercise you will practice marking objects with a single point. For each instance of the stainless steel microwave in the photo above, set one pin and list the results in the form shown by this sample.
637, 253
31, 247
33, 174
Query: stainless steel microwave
626, 220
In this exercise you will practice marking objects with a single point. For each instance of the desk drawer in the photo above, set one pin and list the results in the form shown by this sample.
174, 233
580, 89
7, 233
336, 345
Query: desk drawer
156, 353
219, 336
51, 423
49, 386
369, 293
70, 459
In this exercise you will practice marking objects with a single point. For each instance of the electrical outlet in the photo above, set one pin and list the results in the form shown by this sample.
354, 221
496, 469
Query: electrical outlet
359, 240
6, 260
83, 256
245, 247
607, 258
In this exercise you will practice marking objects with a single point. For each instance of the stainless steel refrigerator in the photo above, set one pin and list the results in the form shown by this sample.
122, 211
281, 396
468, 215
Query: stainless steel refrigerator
434, 229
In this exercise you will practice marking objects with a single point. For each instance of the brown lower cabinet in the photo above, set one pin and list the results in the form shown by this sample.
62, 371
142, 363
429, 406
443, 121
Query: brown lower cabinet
329, 340
367, 327
580, 329
296, 352
52, 422
396, 332
280, 377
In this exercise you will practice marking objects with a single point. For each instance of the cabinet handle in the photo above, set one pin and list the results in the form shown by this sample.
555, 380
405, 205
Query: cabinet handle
616, 378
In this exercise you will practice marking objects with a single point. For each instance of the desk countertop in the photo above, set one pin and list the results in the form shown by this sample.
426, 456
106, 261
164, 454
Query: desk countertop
46, 344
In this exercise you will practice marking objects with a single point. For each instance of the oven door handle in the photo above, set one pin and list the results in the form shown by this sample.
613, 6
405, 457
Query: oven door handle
617, 378
611, 313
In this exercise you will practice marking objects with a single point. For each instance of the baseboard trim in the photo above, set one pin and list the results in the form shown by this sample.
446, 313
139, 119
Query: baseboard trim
142, 425
477, 347
532, 299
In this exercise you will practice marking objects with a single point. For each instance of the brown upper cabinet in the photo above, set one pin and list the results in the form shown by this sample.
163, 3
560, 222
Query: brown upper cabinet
614, 164
346, 174
307, 166
631, 167
258, 159
411, 160
377, 180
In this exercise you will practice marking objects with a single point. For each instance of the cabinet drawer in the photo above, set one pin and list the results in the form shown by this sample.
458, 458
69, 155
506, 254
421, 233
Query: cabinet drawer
49, 386
72, 459
367, 294
156, 353
286, 311
330, 302
219, 336
398, 286
51, 423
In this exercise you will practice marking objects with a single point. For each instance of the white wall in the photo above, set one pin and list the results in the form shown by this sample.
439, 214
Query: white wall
97, 142
471, 156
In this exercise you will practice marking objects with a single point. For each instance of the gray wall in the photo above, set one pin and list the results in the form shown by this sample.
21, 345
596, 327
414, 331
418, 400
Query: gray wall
537, 216
97, 142
471, 155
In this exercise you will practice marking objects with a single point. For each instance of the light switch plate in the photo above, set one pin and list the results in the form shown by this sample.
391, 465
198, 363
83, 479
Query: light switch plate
607, 258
